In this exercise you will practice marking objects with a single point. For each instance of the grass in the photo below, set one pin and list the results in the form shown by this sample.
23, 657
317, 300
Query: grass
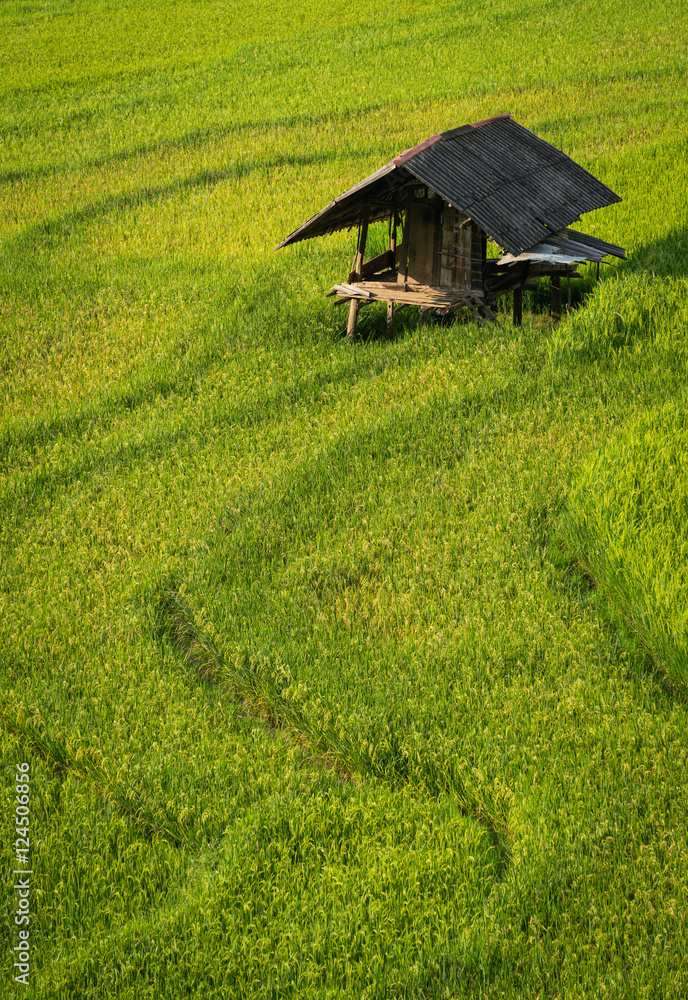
316, 699
627, 526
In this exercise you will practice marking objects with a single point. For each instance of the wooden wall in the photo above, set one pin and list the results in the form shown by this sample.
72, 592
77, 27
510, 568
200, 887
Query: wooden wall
441, 246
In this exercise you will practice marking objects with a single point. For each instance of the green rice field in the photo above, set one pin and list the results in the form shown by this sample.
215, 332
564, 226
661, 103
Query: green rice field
333, 669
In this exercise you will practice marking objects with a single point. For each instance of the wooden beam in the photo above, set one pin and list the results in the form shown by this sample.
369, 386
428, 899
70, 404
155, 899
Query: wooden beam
437, 244
384, 261
393, 238
418, 295
358, 291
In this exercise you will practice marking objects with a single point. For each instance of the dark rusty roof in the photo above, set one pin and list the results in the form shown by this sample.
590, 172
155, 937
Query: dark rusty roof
516, 186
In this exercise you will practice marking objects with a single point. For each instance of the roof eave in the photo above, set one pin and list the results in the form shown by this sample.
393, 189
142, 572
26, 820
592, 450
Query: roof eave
310, 228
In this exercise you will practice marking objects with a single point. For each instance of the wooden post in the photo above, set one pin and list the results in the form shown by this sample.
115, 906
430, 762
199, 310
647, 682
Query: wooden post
518, 306
555, 293
362, 237
353, 316
393, 250
568, 291
402, 273
393, 238
356, 274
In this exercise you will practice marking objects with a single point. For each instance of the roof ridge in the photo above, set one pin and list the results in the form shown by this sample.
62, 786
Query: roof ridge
486, 121
408, 154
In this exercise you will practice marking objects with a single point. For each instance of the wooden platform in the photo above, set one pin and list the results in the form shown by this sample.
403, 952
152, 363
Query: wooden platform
443, 300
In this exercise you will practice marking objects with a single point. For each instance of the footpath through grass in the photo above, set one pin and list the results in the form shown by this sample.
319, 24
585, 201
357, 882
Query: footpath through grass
316, 697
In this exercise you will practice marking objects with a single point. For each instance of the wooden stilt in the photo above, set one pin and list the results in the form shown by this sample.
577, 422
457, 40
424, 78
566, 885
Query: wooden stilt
390, 319
555, 307
353, 316
518, 306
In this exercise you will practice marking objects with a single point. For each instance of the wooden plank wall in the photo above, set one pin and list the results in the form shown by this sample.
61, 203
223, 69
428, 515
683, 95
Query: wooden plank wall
420, 220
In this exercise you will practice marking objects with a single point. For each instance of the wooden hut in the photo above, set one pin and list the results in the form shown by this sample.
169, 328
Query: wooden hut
444, 199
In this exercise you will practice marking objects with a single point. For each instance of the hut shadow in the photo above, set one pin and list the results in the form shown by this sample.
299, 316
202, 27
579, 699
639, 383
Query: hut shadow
371, 327
666, 257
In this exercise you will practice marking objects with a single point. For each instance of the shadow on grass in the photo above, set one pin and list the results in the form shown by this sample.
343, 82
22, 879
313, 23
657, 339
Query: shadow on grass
193, 139
371, 327
626, 651
261, 695
53, 232
19, 501
666, 257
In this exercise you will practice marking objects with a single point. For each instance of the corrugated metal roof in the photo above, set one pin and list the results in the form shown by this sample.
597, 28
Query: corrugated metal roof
517, 187
566, 247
